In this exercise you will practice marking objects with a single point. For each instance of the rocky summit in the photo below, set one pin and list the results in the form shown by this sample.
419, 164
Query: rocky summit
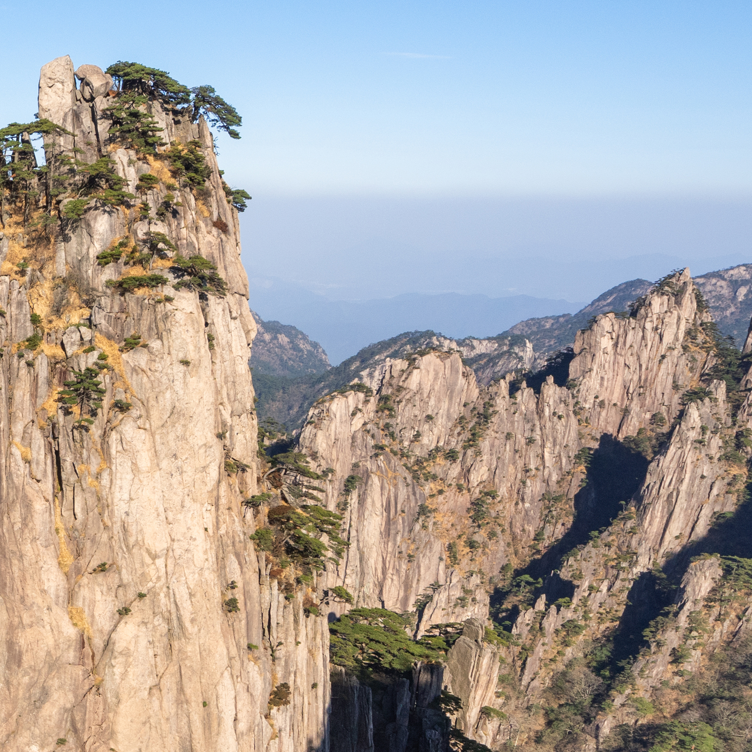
462, 547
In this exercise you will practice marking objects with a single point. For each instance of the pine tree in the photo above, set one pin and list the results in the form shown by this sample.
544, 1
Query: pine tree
218, 113
84, 390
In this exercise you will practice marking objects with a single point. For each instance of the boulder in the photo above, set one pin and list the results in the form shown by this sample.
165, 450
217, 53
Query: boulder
94, 82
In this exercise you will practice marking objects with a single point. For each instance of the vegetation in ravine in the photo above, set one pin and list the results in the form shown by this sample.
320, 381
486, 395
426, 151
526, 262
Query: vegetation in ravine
374, 639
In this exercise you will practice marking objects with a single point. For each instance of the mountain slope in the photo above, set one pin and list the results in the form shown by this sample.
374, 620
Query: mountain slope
729, 294
553, 333
564, 518
283, 350
288, 399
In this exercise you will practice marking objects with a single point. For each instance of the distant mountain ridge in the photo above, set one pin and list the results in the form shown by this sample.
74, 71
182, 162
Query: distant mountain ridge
343, 327
286, 397
283, 350
551, 333
727, 292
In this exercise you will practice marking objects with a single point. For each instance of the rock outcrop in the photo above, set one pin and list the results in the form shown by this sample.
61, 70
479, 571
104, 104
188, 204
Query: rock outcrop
135, 613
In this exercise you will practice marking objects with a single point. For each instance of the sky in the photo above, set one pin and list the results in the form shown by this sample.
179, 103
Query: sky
388, 144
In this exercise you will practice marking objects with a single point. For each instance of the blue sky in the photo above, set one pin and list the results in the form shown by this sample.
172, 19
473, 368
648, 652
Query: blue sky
632, 102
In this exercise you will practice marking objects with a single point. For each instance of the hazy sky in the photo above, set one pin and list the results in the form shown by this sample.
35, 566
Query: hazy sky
512, 111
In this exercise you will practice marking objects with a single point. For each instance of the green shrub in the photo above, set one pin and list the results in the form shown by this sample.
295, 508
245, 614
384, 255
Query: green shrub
280, 696
217, 112
479, 512
299, 531
137, 282
188, 163
572, 629
356, 386
295, 462
198, 273
238, 198
113, 254
257, 500
102, 182
131, 343
147, 182
681, 654
678, 735
351, 483
498, 636
494, 713
33, 342
231, 605
74, 208
385, 405
149, 82
342, 594
698, 394
453, 553
84, 390
263, 539
643, 706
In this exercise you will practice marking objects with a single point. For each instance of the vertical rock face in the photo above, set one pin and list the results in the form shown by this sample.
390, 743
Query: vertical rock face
631, 368
135, 613
421, 442
445, 469
447, 486
57, 89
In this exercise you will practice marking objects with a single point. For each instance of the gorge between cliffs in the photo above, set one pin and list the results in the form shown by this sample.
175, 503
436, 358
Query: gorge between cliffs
444, 557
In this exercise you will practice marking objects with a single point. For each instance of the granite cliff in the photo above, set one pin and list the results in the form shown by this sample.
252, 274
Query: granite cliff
135, 612
286, 394
444, 557
565, 514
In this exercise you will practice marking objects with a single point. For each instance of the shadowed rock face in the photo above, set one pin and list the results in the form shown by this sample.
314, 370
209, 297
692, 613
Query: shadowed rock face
456, 481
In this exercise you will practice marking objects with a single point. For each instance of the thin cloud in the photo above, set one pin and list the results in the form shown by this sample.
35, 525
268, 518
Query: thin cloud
418, 55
